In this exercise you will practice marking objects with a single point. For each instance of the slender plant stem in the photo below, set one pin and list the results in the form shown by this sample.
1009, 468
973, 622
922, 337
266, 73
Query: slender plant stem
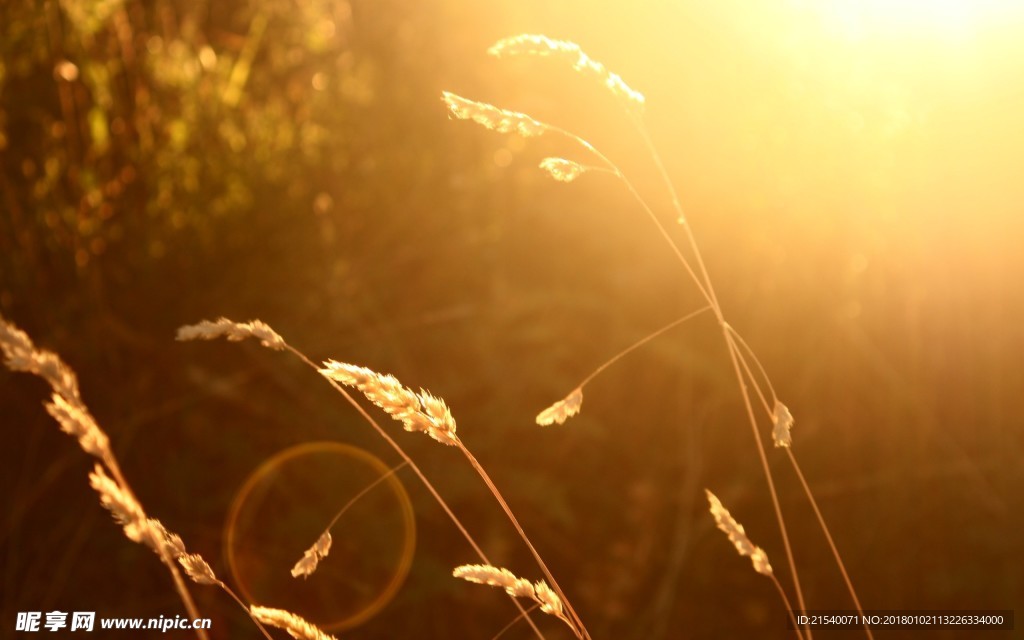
362, 493
412, 465
179, 583
641, 342
643, 203
704, 284
248, 611
580, 629
186, 597
789, 606
807, 491
768, 475
753, 381
710, 292
513, 622
831, 543
757, 362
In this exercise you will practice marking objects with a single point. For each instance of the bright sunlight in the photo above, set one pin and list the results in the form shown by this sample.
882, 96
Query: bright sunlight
915, 19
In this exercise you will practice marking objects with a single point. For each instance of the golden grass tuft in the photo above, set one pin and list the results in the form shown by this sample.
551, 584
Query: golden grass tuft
539, 591
296, 626
122, 505
782, 425
21, 355
233, 331
492, 117
738, 536
197, 569
416, 411
312, 556
74, 419
562, 410
495, 577
538, 45
563, 170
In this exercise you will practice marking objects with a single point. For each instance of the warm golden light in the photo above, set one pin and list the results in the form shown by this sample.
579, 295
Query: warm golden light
912, 19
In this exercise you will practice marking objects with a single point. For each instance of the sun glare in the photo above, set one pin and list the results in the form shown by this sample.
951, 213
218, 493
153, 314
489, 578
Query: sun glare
913, 19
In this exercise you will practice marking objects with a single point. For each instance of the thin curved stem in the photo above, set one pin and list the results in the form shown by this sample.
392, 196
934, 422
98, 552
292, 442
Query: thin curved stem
713, 299
679, 209
183, 592
248, 611
768, 474
179, 583
814, 505
753, 381
704, 284
513, 622
789, 606
580, 629
757, 362
639, 343
419, 473
367, 489
709, 296
831, 543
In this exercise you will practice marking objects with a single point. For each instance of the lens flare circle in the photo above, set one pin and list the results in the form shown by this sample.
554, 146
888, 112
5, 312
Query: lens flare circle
292, 496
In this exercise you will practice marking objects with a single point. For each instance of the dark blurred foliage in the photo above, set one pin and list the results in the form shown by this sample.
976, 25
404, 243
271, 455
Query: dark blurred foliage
167, 161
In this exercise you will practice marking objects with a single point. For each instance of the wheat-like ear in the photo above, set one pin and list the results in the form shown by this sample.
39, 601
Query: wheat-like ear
517, 587
147, 531
562, 410
738, 536
233, 331
416, 411
495, 577
296, 626
122, 505
492, 117
312, 556
537, 45
783, 424
20, 354
74, 419
564, 170
129, 514
198, 569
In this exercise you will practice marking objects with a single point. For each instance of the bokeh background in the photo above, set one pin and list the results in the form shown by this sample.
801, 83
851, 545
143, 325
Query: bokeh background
852, 170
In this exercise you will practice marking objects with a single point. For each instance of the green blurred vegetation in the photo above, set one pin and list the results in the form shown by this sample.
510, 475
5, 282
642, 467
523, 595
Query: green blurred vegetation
166, 161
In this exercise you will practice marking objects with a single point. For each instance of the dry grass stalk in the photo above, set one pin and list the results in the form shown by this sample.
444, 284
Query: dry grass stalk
296, 626
517, 587
147, 531
233, 331
562, 410
782, 421
738, 536
570, 405
446, 435
537, 45
492, 117
65, 406
312, 556
68, 409
416, 411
